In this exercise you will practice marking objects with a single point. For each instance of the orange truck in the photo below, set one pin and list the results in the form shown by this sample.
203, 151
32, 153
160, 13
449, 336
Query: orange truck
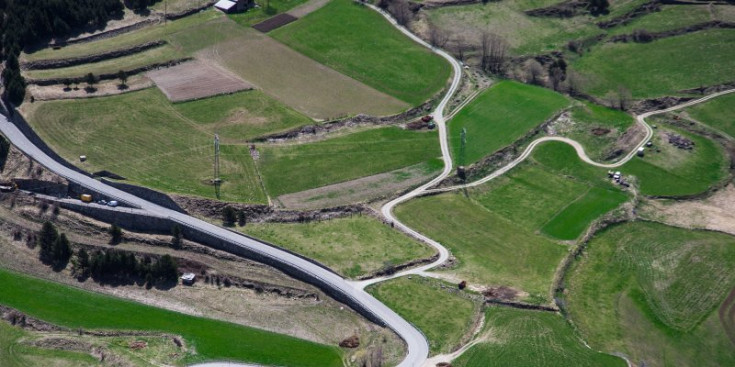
87, 198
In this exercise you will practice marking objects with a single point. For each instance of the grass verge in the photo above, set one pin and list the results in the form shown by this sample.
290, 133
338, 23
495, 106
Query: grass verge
292, 168
443, 315
352, 246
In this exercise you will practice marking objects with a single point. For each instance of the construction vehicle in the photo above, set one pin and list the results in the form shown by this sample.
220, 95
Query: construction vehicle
87, 198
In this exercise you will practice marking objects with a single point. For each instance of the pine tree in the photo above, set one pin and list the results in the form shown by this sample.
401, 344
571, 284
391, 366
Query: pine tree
116, 234
46, 239
176, 237
61, 251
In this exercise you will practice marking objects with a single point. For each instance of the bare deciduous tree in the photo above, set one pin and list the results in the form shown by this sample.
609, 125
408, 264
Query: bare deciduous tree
461, 47
624, 98
576, 82
401, 11
437, 36
556, 76
494, 51
534, 71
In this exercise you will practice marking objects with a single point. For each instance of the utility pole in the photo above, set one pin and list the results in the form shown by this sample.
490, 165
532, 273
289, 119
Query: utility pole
462, 154
216, 180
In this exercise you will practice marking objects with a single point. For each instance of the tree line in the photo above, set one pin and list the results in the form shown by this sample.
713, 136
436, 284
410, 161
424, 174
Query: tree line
27, 22
118, 266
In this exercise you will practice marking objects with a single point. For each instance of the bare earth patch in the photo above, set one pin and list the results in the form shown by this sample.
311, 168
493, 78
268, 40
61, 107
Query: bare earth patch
713, 213
360, 190
194, 80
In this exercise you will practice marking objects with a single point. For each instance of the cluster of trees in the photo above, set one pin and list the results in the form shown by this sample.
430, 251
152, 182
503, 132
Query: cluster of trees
111, 265
55, 248
230, 216
26, 22
598, 7
139, 5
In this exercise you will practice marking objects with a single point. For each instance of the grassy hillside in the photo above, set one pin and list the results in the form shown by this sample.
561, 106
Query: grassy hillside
501, 115
661, 67
369, 49
586, 118
165, 146
718, 113
490, 248
352, 246
531, 339
297, 167
15, 353
652, 291
212, 339
444, 317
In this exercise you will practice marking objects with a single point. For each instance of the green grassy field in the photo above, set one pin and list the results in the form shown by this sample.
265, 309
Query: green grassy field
587, 117
575, 218
651, 291
351, 246
718, 113
297, 167
689, 61
212, 339
368, 49
165, 146
531, 339
491, 249
156, 55
501, 115
525, 34
541, 200
15, 353
442, 316
672, 172
670, 17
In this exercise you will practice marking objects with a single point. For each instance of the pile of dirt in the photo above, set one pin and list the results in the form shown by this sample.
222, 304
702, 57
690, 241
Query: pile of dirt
263, 213
680, 141
501, 293
351, 342
138, 344
63, 344
599, 131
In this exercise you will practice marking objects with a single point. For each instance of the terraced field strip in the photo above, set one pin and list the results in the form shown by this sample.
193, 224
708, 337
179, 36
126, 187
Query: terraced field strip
353, 246
636, 66
298, 81
211, 338
499, 116
526, 338
290, 168
369, 50
575, 218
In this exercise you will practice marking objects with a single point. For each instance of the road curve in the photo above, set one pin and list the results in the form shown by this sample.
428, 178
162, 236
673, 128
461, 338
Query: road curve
641, 119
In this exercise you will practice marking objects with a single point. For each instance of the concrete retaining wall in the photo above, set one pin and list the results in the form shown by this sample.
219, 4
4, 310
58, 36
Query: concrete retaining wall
147, 194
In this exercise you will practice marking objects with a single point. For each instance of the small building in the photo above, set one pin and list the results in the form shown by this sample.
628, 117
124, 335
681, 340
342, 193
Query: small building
188, 278
233, 6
